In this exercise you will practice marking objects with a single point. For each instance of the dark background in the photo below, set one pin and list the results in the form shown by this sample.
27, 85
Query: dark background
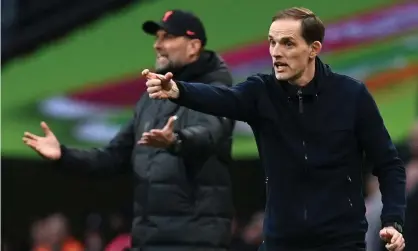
35, 188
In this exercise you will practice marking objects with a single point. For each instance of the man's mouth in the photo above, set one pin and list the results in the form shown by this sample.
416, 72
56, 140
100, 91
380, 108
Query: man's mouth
279, 66
161, 56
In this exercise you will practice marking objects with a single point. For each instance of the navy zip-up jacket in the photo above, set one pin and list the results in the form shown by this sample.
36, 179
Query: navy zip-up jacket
311, 142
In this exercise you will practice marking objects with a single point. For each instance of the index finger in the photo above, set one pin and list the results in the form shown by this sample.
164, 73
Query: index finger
150, 75
170, 123
145, 72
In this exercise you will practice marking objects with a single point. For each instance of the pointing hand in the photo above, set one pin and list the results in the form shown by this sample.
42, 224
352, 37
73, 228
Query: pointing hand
160, 86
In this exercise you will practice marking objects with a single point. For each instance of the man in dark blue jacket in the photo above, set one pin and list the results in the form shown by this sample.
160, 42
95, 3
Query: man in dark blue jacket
312, 127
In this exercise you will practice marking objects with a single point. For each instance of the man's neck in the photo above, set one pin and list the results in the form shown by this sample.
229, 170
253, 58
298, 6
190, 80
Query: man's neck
306, 76
179, 68
193, 59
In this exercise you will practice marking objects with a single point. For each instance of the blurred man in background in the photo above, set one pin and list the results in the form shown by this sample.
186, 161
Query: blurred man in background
411, 224
249, 235
412, 165
37, 235
253, 232
179, 156
373, 211
52, 234
93, 241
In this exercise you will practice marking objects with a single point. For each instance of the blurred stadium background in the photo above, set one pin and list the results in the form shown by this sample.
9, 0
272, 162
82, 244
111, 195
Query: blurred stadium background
76, 64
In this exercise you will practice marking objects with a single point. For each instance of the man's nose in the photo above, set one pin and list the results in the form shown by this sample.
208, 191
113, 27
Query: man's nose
157, 45
276, 52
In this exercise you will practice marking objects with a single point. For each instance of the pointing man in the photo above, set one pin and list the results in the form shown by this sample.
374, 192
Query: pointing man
311, 126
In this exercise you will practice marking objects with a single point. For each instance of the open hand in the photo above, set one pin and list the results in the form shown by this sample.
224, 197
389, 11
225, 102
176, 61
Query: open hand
160, 138
394, 240
160, 86
47, 146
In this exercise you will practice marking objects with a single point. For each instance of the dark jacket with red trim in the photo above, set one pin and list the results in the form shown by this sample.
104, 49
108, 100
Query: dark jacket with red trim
182, 197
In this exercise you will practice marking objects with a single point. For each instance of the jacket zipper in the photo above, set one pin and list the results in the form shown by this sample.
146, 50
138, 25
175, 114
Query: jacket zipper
300, 97
348, 197
299, 93
267, 184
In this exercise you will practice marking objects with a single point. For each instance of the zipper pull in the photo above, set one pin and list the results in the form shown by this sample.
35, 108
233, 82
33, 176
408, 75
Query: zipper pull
299, 93
267, 184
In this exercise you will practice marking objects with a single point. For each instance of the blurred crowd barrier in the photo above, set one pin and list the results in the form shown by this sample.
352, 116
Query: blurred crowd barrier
53, 232
33, 192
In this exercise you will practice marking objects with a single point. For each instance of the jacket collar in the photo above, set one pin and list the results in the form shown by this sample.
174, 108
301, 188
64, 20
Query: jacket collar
314, 87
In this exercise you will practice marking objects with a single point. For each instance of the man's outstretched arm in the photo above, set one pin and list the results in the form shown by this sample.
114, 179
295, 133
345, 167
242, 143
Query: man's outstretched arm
238, 102
114, 157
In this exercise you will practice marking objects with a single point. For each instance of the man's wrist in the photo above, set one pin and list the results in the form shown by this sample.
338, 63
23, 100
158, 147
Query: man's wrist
395, 225
174, 91
175, 146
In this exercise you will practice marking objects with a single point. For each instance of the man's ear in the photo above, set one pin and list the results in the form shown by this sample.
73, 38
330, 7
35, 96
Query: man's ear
316, 48
194, 47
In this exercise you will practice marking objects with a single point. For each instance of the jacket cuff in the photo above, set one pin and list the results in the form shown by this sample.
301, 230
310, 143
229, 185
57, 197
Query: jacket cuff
393, 222
395, 225
180, 88
64, 153
175, 148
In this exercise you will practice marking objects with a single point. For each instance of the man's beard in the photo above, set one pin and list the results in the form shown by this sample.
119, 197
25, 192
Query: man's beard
169, 67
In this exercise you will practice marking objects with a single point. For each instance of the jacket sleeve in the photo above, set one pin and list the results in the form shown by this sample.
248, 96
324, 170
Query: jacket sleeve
238, 102
114, 157
387, 166
203, 135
